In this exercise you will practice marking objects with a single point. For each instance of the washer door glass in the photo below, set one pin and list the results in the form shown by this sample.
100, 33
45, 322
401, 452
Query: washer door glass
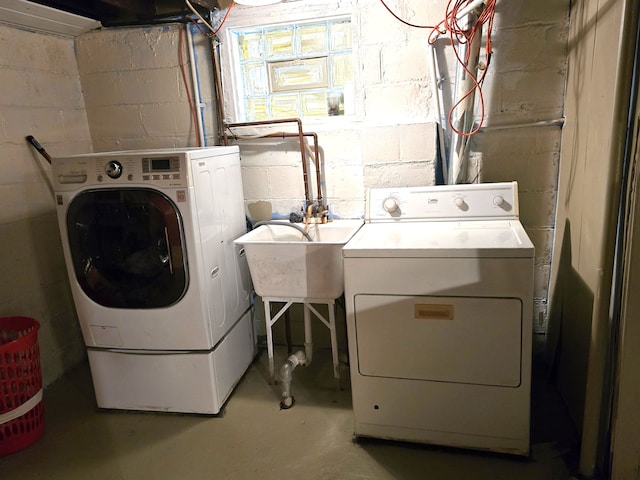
127, 247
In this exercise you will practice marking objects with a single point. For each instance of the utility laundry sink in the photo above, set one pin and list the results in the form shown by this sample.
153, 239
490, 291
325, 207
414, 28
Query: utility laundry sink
285, 264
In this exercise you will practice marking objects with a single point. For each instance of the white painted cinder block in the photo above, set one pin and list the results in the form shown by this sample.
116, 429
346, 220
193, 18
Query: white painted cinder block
285, 182
370, 64
537, 209
135, 99
117, 121
405, 64
396, 103
162, 85
380, 145
341, 146
418, 142
529, 156
166, 120
255, 183
344, 182
399, 175
41, 96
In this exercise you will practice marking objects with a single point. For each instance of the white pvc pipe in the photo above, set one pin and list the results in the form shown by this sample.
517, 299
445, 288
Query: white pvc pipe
286, 377
469, 8
195, 87
558, 122
462, 119
436, 80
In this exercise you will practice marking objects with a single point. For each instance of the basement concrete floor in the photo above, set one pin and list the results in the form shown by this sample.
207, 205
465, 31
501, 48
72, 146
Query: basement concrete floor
255, 439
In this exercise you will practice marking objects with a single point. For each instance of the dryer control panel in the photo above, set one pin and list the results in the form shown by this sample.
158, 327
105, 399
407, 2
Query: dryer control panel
482, 201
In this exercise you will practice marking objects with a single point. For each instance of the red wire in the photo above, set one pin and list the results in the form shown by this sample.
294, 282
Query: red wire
186, 86
403, 21
182, 69
462, 35
215, 32
225, 17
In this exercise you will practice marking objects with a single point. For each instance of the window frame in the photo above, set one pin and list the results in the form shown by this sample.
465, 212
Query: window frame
286, 13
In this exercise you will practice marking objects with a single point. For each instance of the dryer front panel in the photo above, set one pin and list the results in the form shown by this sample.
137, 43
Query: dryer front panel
127, 247
467, 340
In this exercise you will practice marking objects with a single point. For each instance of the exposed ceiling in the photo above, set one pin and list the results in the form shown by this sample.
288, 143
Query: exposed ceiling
131, 12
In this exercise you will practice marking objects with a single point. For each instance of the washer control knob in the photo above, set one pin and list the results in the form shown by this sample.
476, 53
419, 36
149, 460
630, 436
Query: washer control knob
459, 201
498, 200
390, 204
114, 169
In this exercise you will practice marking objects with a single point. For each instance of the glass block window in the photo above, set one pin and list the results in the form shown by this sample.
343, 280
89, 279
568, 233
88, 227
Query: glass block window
294, 70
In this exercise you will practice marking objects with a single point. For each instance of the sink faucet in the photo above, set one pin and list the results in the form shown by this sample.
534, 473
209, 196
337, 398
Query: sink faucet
307, 217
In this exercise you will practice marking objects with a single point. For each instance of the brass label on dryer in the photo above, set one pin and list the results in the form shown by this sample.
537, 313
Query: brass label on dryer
433, 311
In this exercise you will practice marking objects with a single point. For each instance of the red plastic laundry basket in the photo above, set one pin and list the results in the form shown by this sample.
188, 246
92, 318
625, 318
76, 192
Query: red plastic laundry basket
21, 408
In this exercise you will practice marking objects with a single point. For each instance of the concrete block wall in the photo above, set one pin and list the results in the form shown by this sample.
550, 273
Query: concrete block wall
41, 96
392, 139
134, 90
134, 95
524, 91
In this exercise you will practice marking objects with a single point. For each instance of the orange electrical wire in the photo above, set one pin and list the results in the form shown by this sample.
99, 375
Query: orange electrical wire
467, 35
404, 21
225, 17
192, 107
214, 32
461, 35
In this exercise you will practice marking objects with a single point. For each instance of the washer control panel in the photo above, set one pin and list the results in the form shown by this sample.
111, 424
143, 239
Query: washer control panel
443, 202
120, 169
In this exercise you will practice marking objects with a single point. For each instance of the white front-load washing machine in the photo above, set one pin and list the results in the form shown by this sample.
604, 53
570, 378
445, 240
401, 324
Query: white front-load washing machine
161, 292
439, 298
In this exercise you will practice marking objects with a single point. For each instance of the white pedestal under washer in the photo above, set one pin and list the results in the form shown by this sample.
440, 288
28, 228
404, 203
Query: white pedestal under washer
161, 292
439, 296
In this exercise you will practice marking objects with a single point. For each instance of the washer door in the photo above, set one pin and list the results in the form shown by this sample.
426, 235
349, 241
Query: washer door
127, 247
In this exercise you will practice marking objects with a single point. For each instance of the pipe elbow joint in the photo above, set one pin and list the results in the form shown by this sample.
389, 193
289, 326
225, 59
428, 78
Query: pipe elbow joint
286, 371
286, 376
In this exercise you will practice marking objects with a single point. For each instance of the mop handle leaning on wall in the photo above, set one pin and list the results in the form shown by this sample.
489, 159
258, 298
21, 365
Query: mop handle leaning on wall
31, 139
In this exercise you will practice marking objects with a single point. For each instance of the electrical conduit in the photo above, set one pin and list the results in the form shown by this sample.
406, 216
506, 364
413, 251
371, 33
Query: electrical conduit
195, 85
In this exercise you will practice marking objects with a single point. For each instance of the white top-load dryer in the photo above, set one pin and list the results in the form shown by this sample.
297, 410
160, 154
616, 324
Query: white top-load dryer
439, 296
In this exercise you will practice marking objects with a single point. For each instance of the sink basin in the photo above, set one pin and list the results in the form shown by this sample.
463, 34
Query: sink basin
284, 264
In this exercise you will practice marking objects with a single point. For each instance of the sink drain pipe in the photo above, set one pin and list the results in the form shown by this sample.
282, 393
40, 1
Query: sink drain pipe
298, 358
286, 376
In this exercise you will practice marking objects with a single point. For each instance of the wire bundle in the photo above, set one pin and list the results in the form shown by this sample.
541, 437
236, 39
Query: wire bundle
454, 24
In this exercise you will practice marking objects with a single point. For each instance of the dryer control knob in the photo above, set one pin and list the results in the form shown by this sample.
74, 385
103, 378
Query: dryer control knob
459, 201
390, 204
498, 200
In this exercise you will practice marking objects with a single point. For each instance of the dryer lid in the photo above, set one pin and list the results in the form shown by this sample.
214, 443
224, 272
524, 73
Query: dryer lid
464, 239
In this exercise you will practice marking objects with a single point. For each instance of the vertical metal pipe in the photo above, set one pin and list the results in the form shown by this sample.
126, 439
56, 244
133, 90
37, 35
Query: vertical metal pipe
200, 140
461, 117
300, 136
436, 90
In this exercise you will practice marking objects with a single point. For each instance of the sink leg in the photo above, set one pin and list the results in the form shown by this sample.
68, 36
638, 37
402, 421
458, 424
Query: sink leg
334, 341
269, 324
308, 335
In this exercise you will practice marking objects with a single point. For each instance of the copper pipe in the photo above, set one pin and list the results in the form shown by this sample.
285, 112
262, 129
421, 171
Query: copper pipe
315, 152
300, 136
215, 55
223, 126
316, 155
